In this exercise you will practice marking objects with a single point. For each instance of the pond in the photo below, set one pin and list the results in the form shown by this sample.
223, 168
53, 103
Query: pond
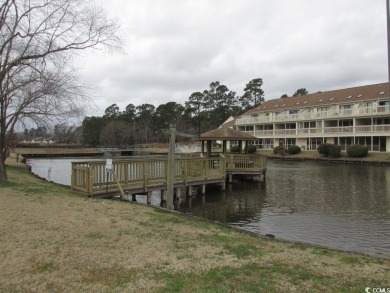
333, 205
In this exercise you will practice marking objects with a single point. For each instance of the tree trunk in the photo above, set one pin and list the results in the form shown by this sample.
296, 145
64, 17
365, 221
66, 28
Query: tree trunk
3, 171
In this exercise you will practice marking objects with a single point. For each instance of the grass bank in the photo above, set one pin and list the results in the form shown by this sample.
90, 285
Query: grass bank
53, 240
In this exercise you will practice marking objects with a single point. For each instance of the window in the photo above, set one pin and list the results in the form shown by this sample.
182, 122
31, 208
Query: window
311, 124
384, 103
343, 123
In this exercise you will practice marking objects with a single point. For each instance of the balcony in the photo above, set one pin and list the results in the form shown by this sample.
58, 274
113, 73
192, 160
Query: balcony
331, 114
326, 131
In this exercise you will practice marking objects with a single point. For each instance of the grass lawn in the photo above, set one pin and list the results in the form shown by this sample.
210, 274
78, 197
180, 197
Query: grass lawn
54, 240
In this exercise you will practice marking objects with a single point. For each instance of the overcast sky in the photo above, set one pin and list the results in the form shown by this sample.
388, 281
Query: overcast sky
177, 47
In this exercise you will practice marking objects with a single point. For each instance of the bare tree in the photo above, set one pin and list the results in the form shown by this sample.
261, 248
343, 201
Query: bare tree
38, 40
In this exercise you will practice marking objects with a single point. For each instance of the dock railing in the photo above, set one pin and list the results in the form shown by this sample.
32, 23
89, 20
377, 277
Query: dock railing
143, 174
246, 162
238, 162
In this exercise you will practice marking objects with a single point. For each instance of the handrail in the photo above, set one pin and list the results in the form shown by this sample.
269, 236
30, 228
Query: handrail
249, 162
331, 113
92, 178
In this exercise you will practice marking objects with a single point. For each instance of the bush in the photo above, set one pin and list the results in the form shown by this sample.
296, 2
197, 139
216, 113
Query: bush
324, 148
279, 150
250, 149
234, 149
357, 151
334, 151
294, 149
330, 150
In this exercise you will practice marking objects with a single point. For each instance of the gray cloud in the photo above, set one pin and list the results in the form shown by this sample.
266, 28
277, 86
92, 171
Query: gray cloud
177, 47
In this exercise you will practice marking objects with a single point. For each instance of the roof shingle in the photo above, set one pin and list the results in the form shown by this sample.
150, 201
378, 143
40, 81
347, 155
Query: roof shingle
226, 133
341, 96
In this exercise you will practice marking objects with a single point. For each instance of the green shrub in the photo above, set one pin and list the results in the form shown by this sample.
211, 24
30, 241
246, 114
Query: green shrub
357, 151
279, 150
334, 151
330, 150
324, 149
250, 149
293, 149
235, 149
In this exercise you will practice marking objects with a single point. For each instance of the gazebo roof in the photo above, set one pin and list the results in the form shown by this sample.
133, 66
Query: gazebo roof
225, 133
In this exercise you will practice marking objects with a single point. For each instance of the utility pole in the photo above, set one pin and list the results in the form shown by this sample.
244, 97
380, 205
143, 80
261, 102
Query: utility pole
388, 38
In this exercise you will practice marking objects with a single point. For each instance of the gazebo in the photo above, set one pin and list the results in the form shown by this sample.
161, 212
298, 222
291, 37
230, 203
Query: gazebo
226, 135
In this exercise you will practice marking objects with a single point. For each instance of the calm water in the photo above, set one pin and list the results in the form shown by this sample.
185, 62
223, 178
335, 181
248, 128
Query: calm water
338, 206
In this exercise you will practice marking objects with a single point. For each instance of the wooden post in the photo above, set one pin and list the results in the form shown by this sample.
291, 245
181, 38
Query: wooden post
171, 163
208, 148
203, 189
189, 191
178, 193
189, 201
149, 198
90, 180
171, 168
163, 195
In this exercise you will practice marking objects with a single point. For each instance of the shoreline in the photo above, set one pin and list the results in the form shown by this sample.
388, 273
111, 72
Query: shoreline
62, 241
268, 236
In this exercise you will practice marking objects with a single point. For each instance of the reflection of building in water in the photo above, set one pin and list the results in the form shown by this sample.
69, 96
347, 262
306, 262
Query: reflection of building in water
239, 203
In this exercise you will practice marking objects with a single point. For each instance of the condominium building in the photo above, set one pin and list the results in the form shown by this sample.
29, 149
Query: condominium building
359, 115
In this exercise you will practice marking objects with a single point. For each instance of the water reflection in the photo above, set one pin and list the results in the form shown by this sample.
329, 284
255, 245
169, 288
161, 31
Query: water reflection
339, 206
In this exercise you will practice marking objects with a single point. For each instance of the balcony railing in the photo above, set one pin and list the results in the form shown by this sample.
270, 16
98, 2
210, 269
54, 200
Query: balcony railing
360, 129
285, 132
372, 128
335, 130
343, 113
264, 133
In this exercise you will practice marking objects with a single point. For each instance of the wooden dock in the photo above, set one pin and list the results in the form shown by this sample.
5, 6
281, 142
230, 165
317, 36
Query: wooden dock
145, 175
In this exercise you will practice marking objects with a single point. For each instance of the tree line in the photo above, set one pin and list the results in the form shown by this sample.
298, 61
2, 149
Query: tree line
142, 124
203, 111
